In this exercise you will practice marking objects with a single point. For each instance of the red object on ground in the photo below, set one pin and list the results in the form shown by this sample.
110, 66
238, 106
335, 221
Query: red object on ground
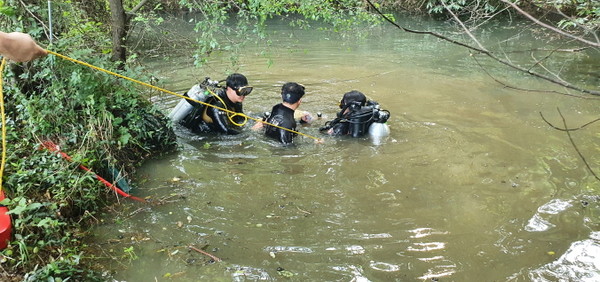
5, 225
54, 148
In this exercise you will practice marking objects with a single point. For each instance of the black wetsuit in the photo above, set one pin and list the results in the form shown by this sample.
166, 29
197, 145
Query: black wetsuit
339, 127
209, 119
284, 117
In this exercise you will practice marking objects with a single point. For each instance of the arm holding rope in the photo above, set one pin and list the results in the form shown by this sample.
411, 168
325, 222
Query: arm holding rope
20, 47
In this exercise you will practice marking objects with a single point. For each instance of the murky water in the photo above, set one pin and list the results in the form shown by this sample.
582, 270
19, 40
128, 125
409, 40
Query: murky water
471, 183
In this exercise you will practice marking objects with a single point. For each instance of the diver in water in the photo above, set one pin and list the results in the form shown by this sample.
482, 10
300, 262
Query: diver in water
358, 117
282, 114
203, 118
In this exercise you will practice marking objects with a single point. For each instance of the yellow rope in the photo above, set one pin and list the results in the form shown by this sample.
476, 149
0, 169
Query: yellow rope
178, 95
3, 124
230, 117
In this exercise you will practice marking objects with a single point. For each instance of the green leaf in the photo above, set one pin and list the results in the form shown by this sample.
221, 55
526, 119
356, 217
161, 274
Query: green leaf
124, 139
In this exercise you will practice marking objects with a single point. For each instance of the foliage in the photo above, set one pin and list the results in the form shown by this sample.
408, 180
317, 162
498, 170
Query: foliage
440, 7
225, 26
100, 121
216, 33
575, 13
471, 12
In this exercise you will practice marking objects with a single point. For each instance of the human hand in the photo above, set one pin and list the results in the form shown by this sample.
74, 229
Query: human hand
257, 126
306, 117
20, 47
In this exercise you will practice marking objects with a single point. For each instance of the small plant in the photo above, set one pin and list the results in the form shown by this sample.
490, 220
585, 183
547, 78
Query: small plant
130, 253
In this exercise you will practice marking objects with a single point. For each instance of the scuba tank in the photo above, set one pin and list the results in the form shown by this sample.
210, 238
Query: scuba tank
198, 92
378, 132
379, 128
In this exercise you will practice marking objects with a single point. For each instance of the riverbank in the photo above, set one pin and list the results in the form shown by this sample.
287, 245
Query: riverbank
98, 122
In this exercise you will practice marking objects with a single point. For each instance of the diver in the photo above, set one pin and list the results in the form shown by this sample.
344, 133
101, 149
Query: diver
357, 117
282, 114
200, 118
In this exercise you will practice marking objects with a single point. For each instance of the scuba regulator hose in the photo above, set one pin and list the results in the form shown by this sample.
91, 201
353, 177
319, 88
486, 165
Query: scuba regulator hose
230, 116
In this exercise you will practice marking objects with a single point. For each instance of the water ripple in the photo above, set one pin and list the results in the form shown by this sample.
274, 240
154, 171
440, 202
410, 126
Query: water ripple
245, 273
431, 274
356, 271
352, 250
426, 247
538, 223
581, 262
382, 266
374, 236
288, 249
424, 232
555, 206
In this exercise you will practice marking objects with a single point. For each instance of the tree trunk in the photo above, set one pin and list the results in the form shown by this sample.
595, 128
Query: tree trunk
119, 31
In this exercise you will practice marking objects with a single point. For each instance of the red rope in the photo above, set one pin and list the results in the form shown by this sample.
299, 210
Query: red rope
54, 148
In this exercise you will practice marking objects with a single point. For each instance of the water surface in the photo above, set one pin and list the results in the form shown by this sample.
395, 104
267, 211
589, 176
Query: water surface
471, 183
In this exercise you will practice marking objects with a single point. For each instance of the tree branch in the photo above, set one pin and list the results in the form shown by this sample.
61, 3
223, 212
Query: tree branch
484, 51
463, 26
567, 129
575, 146
138, 6
539, 63
528, 90
533, 19
46, 28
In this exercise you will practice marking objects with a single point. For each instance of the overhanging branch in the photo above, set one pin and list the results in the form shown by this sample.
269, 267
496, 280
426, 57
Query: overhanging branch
138, 6
485, 52
575, 146
538, 22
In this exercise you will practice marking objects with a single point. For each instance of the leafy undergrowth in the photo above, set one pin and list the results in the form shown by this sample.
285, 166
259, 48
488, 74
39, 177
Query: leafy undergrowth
101, 122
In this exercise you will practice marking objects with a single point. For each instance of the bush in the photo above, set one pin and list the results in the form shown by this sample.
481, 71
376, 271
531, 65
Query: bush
102, 122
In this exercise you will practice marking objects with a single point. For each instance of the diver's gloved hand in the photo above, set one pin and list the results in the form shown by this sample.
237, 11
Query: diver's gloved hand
304, 117
258, 126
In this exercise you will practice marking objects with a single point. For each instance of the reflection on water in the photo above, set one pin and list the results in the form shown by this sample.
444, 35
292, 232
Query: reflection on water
554, 207
471, 183
581, 262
